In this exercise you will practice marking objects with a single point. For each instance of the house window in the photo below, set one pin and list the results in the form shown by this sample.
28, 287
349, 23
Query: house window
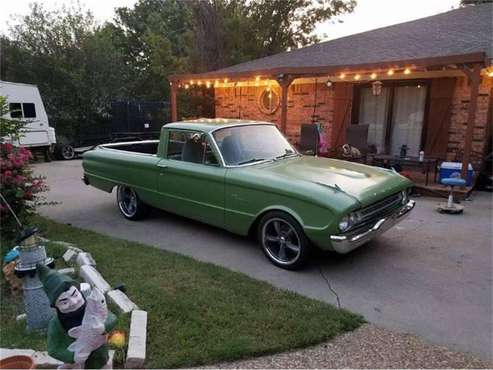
395, 117
268, 101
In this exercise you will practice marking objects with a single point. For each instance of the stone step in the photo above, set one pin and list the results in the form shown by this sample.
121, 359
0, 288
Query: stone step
120, 299
93, 277
136, 351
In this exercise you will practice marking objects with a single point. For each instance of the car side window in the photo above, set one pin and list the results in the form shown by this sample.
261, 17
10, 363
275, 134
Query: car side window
190, 146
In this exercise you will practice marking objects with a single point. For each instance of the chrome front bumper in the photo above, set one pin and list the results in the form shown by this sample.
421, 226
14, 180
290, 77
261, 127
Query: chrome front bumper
344, 243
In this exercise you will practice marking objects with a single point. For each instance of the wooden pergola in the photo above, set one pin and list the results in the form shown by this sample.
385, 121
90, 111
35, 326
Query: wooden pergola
470, 65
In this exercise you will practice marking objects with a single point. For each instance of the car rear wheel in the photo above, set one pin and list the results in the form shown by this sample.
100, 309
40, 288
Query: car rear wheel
131, 207
283, 241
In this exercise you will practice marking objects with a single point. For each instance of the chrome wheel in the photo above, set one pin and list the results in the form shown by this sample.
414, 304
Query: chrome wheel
281, 241
68, 152
127, 201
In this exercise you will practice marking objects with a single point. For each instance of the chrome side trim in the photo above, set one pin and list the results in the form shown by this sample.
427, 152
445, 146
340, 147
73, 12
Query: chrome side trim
344, 243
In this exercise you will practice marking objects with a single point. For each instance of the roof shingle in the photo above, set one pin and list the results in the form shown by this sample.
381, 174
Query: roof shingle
457, 32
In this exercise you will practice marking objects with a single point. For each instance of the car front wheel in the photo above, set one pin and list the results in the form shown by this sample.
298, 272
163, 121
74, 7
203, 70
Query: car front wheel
283, 240
131, 207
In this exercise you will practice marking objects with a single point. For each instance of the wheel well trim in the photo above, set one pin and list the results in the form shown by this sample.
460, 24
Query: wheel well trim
274, 208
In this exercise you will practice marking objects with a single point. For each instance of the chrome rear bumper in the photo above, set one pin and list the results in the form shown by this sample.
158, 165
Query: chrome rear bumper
344, 243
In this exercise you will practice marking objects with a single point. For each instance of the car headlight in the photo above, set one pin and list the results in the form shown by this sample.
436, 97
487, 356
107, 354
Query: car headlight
344, 224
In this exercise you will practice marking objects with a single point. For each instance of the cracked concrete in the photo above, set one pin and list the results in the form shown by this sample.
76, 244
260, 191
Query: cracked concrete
429, 275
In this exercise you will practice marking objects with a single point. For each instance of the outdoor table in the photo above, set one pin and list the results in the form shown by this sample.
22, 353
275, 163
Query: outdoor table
426, 164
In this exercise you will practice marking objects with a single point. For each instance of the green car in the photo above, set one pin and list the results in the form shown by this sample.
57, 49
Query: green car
245, 177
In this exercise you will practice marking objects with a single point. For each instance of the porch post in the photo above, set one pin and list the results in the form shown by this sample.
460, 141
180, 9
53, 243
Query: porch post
174, 111
474, 78
284, 81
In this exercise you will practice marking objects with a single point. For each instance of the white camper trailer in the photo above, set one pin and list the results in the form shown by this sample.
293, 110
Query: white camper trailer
25, 103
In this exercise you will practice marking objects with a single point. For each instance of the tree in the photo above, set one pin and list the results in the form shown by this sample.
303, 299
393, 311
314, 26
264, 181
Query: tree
10, 129
74, 63
233, 31
153, 37
474, 2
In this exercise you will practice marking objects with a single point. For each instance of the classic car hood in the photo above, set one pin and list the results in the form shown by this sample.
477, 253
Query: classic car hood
364, 183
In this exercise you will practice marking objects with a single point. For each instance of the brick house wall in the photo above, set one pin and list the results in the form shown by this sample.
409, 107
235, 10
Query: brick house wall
241, 102
458, 124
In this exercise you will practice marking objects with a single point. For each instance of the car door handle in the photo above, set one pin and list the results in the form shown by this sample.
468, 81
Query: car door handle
162, 165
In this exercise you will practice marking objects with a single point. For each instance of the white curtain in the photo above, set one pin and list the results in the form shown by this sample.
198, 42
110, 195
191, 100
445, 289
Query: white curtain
373, 112
407, 122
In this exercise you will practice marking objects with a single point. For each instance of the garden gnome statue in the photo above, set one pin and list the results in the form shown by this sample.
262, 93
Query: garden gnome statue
77, 333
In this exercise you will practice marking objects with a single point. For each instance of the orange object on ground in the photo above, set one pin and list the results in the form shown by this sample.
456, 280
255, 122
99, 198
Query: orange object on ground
17, 362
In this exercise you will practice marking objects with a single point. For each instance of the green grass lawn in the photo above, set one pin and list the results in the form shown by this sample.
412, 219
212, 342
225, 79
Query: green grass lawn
198, 313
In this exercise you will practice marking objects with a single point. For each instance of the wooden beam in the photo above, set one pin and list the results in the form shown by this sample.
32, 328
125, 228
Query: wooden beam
174, 108
474, 77
284, 81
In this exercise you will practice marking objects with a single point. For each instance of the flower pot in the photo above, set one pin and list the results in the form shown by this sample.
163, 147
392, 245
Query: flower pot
17, 362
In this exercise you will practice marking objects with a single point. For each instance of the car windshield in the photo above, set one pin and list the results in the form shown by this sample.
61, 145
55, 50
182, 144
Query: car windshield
252, 143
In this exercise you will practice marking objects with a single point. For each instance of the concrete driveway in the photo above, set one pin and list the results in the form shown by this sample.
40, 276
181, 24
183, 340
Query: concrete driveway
431, 275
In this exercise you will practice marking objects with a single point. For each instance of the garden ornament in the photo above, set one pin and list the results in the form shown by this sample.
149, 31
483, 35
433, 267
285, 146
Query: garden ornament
36, 304
77, 333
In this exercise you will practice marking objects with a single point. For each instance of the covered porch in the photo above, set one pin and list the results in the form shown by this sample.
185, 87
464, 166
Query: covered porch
430, 105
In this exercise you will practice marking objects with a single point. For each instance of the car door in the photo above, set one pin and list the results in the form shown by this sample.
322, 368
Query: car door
191, 179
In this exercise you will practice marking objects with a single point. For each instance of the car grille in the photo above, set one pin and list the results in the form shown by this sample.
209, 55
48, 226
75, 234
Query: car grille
376, 211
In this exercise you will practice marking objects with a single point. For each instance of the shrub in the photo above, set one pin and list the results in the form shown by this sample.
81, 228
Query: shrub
19, 187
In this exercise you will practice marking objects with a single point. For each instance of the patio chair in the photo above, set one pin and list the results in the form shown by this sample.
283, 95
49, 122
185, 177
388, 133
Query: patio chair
309, 139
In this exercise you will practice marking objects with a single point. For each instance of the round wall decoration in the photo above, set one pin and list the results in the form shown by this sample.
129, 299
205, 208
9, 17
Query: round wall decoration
268, 101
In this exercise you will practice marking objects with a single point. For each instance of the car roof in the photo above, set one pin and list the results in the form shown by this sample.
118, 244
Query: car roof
211, 124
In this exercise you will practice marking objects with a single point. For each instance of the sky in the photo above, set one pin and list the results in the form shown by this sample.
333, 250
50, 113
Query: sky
368, 14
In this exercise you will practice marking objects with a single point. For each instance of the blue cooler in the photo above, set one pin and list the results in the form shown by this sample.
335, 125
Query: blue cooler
453, 169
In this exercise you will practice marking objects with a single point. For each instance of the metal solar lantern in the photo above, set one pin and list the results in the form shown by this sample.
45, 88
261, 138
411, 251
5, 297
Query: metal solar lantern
36, 303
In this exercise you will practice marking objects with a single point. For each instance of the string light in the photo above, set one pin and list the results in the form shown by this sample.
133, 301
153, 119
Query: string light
357, 77
187, 86
407, 71
390, 72
342, 76
373, 76
216, 84
199, 82
191, 82
490, 73
226, 80
208, 84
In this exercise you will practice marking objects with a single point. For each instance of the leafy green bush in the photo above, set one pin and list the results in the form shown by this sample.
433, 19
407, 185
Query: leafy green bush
18, 185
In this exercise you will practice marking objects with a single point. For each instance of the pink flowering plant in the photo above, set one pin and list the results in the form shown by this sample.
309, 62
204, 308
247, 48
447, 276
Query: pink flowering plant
19, 187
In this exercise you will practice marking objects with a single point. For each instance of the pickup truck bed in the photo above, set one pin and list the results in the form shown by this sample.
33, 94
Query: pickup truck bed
144, 147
